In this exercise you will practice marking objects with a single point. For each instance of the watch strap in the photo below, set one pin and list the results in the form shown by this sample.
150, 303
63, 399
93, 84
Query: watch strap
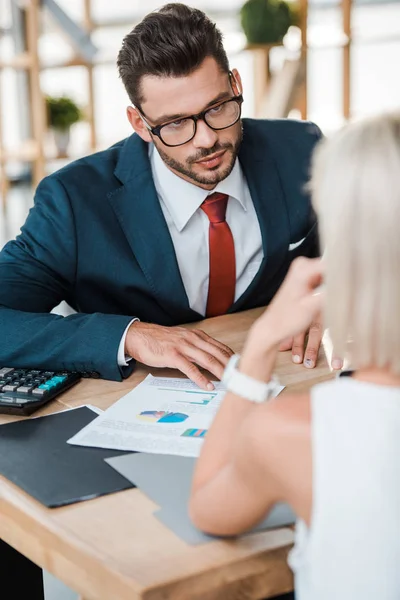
245, 386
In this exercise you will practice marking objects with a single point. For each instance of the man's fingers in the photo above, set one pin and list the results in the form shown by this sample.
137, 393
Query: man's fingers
228, 352
313, 344
221, 353
204, 359
193, 373
298, 348
286, 345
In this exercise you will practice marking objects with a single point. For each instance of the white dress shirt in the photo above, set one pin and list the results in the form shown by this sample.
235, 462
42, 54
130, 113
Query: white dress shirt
188, 225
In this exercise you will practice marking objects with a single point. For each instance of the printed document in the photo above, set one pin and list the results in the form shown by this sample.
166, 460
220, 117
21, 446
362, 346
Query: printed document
161, 416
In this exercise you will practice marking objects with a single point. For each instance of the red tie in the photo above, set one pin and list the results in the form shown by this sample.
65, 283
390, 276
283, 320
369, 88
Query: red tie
222, 283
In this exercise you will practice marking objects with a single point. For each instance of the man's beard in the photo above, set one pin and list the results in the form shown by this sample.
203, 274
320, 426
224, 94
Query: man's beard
213, 178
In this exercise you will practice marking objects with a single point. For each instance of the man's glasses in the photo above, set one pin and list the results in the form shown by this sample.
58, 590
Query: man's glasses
179, 132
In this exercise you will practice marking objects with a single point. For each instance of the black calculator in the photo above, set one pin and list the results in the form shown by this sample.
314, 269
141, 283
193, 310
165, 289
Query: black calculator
22, 391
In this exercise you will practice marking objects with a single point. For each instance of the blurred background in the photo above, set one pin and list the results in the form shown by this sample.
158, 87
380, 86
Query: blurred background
60, 96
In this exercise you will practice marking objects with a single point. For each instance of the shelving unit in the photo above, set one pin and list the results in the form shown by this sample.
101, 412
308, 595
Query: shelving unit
262, 73
346, 24
88, 23
34, 150
302, 92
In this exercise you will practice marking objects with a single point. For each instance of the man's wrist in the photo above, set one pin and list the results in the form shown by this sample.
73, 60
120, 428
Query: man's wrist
123, 356
131, 339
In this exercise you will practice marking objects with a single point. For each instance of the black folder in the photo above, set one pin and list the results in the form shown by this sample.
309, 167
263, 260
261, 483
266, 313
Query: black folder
35, 456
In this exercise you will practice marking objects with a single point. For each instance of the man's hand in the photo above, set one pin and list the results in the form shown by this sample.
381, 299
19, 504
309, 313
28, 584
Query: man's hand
178, 348
307, 353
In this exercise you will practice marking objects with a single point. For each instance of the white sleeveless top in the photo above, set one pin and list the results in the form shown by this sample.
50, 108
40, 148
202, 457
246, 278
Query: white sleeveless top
352, 549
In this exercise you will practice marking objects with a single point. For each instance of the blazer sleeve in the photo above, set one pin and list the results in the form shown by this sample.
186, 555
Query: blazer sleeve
37, 272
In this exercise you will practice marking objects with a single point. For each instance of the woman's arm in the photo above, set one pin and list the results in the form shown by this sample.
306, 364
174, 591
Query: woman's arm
234, 484
230, 493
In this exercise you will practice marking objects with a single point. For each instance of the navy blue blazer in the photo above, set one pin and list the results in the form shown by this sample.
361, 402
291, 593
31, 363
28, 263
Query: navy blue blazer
96, 238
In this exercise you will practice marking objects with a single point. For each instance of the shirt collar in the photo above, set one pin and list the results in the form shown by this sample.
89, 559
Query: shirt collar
182, 198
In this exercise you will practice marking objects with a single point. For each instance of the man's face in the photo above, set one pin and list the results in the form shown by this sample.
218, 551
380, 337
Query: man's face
209, 157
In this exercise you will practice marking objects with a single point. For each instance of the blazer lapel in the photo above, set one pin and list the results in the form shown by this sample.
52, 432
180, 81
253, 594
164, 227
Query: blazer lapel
138, 210
139, 213
262, 177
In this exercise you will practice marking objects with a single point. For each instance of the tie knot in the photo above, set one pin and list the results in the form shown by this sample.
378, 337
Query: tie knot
215, 207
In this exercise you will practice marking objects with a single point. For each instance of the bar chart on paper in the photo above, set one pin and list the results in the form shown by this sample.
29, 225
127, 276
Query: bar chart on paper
160, 416
199, 398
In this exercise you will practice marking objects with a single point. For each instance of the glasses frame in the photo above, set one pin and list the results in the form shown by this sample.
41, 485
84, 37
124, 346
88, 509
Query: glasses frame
201, 116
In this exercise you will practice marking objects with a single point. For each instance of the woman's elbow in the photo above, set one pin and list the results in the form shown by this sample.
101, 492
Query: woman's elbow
210, 520
199, 516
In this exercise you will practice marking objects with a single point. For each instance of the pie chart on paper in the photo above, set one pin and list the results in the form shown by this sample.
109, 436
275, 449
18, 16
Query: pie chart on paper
161, 416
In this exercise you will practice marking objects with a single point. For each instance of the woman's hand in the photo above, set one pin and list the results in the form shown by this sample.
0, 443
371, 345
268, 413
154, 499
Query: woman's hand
295, 306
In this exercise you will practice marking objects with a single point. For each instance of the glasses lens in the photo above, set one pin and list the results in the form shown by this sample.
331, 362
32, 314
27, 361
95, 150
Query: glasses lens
178, 132
224, 115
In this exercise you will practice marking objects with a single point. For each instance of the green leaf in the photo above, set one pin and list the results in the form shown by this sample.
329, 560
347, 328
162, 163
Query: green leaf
266, 21
62, 112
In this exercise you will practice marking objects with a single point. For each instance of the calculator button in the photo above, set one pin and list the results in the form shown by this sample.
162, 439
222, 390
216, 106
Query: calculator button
24, 389
57, 379
53, 382
40, 392
5, 371
10, 387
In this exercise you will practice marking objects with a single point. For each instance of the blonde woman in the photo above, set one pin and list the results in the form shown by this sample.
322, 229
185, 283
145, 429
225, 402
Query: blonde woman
332, 454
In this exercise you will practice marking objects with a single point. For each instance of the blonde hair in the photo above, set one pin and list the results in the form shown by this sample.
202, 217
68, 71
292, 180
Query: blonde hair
356, 192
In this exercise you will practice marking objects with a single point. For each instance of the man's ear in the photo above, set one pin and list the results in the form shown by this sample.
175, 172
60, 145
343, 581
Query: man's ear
237, 82
137, 123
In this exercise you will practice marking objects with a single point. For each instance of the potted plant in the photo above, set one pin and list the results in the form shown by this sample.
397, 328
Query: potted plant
267, 21
62, 112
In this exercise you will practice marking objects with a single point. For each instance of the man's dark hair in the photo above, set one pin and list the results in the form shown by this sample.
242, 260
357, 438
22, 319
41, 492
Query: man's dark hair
170, 42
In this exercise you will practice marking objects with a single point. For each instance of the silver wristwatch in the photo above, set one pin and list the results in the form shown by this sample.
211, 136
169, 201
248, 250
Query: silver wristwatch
245, 386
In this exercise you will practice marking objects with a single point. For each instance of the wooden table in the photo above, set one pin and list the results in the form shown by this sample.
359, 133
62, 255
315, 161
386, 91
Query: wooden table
113, 548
